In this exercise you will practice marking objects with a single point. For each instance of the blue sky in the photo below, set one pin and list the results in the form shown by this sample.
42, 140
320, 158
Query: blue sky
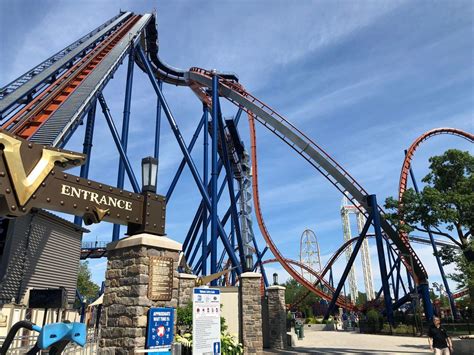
362, 78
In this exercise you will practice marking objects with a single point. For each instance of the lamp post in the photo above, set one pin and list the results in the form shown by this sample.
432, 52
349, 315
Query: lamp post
275, 279
149, 174
249, 262
154, 206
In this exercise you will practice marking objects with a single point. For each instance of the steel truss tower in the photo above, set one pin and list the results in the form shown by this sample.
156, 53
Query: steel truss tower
309, 254
346, 211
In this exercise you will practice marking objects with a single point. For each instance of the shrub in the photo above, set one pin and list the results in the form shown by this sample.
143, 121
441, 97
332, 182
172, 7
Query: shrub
373, 321
184, 316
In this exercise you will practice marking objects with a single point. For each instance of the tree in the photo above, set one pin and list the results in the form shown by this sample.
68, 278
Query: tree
86, 287
446, 207
295, 292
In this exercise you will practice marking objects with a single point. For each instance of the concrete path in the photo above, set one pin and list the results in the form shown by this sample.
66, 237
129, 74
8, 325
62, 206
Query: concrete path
332, 342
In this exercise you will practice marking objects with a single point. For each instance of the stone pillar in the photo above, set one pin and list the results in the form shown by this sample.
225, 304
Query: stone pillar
126, 298
276, 317
185, 290
250, 309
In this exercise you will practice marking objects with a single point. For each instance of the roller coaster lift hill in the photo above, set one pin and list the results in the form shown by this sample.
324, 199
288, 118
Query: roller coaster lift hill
43, 108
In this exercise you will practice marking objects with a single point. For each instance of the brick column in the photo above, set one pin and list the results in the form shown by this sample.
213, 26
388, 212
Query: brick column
250, 312
276, 317
126, 301
185, 290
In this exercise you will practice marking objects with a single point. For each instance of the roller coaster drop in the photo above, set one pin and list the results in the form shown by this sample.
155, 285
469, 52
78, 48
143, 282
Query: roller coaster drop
46, 105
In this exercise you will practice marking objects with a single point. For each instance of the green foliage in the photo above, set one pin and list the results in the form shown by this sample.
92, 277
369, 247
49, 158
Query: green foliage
295, 292
184, 316
86, 287
446, 206
362, 299
374, 321
186, 339
314, 320
230, 344
400, 329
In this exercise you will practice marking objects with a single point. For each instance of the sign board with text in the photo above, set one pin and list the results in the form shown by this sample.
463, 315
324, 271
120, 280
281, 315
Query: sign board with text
206, 321
160, 330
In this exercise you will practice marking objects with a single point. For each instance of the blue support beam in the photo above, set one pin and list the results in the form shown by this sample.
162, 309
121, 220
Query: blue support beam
87, 149
198, 220
182, 164
205, 174
156, 153
390, 273
189, 160
213, 211
198, 268
125, 127
372, 201
115, 136
424, 291
349, 264
200, 241
193, 231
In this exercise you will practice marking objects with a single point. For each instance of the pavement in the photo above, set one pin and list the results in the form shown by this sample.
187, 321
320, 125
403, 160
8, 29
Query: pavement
332, 342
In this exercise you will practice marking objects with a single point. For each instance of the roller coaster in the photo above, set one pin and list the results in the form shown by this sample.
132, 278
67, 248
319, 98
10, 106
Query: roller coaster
48, 103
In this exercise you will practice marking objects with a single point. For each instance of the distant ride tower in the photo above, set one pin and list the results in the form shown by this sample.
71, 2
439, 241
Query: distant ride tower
346, 211
309, 253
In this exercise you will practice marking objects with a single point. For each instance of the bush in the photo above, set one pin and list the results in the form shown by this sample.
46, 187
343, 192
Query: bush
373, 321
184, 316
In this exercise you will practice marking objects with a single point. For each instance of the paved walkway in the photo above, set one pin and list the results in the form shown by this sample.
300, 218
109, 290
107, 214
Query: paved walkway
331, 342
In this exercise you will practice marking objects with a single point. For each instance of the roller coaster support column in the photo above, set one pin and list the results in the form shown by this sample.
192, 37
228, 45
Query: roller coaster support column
348, 267
452, 304
158, 125
215, 110
372, 201
88, 137
115, 136
189, 160
183, 163
205, 165
424, 290
125, 126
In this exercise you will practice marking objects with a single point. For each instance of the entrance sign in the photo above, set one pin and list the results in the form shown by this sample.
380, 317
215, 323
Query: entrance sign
160, 329
206, 321
32, 177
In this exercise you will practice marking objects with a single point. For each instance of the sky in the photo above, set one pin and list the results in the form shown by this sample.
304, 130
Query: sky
363, 79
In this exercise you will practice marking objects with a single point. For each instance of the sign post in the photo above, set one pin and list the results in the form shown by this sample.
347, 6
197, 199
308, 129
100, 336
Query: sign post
206, 321
160, 330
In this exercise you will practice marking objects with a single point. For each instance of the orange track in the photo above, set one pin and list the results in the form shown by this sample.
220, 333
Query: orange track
409, 156
28, 120
264, 230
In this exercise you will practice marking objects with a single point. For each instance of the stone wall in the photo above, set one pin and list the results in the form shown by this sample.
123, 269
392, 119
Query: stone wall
250, 304
185, 290
276, 317
126, 301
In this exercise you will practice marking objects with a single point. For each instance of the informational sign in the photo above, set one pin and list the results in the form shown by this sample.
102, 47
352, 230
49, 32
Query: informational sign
160, 284
160, 331
206, 321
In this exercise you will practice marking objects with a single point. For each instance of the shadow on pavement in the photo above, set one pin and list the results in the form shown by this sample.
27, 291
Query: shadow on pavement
304, 350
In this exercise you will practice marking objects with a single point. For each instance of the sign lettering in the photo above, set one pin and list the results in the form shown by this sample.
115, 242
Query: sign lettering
95, 197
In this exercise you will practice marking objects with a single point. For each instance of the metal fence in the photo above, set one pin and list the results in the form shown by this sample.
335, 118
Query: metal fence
22, 344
